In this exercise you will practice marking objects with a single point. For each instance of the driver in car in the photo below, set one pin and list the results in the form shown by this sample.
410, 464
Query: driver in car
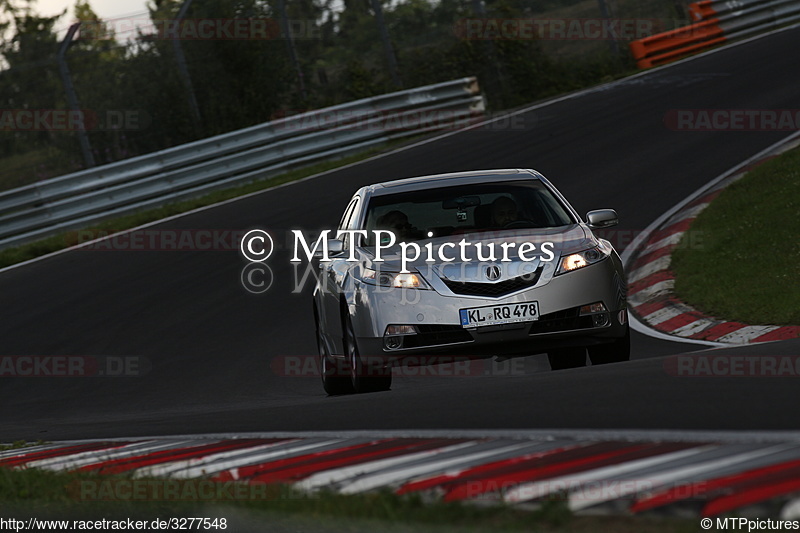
504, 211
397, 222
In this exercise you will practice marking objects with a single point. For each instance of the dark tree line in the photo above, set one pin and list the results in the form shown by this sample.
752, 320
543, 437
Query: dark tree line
134, 86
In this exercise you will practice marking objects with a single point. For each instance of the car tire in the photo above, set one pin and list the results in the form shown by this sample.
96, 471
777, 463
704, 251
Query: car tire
364, 377
335, 377
567, 358
614, 352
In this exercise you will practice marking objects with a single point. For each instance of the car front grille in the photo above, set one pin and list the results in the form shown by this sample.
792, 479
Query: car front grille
433, 335
565, 320
494, 290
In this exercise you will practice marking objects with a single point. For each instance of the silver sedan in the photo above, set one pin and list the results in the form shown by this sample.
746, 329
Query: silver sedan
471, 264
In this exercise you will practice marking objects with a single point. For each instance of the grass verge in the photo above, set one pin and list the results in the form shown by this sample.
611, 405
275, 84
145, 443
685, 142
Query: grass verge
741, 258
19, 444
80, 496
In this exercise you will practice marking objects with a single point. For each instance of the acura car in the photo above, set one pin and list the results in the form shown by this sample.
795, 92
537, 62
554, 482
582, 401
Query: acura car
473, 264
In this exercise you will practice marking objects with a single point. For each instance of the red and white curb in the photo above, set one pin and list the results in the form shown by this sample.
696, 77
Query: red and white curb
651, 282
681, 476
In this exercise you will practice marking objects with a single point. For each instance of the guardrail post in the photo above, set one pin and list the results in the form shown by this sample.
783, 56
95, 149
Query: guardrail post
492, 74
287, 32
183, 71
72, 97
613, 44
387, 43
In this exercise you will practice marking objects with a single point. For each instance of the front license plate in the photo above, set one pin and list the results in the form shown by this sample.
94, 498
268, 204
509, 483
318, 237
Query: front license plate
493, 315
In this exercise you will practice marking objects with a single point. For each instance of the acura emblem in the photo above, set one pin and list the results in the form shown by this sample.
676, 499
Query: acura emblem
493, 273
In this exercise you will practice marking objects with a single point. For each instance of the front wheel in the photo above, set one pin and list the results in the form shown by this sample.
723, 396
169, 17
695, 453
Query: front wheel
614, 352
365, 377
335, 379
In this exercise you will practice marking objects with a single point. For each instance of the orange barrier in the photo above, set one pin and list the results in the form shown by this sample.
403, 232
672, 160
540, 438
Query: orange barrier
675, 44
702, 10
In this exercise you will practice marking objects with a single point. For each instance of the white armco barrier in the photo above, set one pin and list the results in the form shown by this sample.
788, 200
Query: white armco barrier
75, 200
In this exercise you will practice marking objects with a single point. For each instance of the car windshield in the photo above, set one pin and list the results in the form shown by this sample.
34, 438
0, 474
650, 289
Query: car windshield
448, 211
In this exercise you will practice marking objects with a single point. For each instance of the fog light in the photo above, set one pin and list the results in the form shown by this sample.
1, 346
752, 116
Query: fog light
599, 320
401, 330
393, 343
596, 307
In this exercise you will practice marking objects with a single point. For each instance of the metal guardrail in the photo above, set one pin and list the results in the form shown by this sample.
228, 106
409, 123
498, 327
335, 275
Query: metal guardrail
718, 21
711, 9
75, 200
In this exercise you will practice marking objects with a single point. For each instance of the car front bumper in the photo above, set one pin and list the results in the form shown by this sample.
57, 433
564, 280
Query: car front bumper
436, 317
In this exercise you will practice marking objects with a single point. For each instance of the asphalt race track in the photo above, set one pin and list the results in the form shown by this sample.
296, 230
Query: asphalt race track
217, 355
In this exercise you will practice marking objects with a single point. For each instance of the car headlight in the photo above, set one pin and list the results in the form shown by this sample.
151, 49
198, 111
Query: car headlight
393, 279
575, 261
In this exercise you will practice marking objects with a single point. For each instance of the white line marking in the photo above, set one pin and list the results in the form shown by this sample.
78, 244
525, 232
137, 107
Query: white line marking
791, 511
673, 239
539, 489
200, 463
697, 326
22, 452
538, 450
663, 314
403, 475
337, 475
687, 213
656, 289
121, 453
657, 265
746, 334
77, 460
585, 497
545, 434
234, 465
639, 327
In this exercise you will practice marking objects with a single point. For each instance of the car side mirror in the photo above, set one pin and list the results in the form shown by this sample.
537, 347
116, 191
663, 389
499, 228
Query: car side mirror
602, 218
335, 247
